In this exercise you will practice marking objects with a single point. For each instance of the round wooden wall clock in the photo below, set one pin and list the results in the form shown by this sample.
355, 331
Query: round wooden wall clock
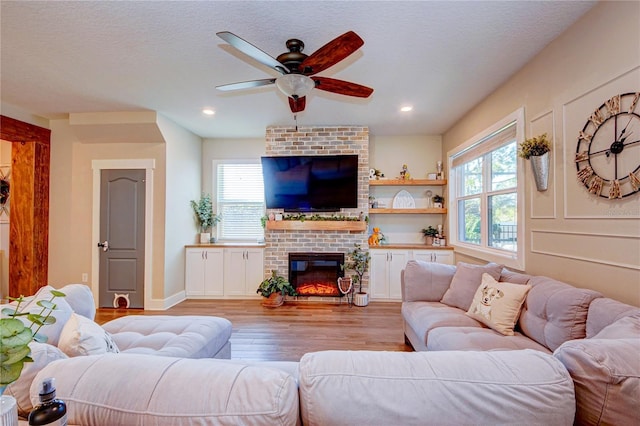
608, 149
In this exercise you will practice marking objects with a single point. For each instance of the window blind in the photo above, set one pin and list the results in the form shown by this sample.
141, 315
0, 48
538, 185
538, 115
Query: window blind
493, 141
240, 200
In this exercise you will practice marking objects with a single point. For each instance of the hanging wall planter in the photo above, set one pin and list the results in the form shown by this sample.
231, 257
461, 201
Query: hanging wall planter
537, 150
540, 167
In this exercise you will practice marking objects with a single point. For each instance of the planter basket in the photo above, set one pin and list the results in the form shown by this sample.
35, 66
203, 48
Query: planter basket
273, 301
540, 167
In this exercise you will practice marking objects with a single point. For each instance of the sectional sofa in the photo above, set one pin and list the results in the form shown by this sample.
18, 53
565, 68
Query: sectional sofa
597, 339
142, 383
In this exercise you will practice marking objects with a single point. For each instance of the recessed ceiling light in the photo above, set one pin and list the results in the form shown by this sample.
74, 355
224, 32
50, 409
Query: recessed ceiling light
208, 111
406, 108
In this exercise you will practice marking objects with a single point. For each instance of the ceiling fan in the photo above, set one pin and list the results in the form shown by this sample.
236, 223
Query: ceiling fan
299, 70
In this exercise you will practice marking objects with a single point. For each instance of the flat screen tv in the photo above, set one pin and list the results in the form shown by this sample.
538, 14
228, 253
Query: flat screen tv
311, 183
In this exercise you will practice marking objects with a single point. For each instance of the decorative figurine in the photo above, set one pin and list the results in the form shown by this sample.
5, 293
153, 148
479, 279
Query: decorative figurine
376, 238
404, 174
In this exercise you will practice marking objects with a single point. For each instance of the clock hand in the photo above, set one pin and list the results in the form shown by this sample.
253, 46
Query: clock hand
625, 127
609, 149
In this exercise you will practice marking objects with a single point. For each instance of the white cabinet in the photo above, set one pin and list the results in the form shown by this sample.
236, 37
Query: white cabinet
385, 269
203, 272
243, 270
437, 256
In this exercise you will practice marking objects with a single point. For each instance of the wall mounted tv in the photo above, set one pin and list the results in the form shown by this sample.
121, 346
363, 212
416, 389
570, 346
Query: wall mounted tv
312, 183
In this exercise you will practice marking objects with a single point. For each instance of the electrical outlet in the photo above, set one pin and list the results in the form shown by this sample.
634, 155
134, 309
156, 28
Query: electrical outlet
85, 277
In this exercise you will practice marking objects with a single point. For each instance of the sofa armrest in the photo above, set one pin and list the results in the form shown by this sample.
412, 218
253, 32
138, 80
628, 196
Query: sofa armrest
132, 389
434, 388
425, 281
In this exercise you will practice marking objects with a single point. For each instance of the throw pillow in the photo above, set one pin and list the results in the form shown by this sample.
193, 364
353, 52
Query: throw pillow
61, 314
81, 336
497, 304
466, 281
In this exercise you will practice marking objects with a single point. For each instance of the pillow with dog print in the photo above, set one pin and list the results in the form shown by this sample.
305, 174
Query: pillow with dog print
497, 304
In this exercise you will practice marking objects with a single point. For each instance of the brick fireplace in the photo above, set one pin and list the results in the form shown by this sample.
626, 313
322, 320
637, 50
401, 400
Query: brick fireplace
326, 140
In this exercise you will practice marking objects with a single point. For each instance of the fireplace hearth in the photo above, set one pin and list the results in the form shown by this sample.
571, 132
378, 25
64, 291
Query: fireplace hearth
316, 274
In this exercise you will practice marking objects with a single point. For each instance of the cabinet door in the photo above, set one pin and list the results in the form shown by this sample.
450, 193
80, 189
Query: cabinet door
444, 256
234, 272
194, 272
254, 267
438, 256
423, 255
213, 272
379, 274
397, 261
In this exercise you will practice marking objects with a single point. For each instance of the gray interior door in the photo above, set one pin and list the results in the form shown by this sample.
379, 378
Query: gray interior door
121, 244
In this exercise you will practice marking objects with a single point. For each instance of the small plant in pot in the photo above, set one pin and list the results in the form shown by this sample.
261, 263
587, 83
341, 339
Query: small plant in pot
438, 201
358, 261
273, 289
429, 233
205, 218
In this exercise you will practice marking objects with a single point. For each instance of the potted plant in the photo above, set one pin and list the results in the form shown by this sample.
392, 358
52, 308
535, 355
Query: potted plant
438, 201
537, 150
205, 218
429, 233
358, 261
15, 337
273, 289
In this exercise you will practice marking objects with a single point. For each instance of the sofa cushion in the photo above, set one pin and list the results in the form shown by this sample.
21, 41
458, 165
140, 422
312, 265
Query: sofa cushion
81, 336
514, 277
132, 389
625, 328
555, 312
41, 354
604, 311
423, 317
426, 281
606, 373
497, 304
478, 339
61, 314
80, 298
437, 388
466, 281
186, 336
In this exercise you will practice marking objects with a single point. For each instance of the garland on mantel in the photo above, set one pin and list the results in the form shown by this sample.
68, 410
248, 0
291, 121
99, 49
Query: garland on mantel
301, 217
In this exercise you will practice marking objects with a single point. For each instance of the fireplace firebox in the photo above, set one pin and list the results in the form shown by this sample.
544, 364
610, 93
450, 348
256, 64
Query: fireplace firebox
316, 274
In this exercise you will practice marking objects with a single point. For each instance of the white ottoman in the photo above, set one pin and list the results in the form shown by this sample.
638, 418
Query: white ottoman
176, 336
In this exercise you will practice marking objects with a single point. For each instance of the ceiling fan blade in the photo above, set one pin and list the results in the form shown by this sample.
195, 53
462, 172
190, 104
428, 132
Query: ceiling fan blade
297, 105
342, 87
246, 84
331, 53
252, 51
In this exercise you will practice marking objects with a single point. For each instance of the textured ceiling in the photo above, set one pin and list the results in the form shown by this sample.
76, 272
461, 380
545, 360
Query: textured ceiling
440, 57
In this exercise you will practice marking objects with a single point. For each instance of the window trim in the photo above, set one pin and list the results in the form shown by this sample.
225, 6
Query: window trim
515, 260
214, 193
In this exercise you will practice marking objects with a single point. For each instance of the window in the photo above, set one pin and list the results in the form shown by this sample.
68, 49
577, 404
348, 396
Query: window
486, 193
240, 200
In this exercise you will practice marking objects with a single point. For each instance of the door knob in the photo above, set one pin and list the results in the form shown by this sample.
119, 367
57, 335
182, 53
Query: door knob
105, 245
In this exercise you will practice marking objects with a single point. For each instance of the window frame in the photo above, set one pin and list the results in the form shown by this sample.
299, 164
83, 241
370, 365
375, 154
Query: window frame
214, 196
515, 260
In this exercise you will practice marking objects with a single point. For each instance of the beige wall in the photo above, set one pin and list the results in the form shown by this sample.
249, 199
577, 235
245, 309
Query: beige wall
596, 58
228, 149
71, 198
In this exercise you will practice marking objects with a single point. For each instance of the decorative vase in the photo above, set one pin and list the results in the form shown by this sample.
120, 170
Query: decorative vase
429, 240
8, 411
361, 299
273, 301
540, 167
205, 237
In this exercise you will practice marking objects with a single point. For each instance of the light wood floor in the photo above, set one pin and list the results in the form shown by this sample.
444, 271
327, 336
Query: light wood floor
288, 332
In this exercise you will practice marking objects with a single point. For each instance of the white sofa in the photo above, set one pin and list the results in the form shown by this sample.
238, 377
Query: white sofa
324, 388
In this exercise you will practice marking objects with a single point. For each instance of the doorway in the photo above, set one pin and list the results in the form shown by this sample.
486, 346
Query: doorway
122, 232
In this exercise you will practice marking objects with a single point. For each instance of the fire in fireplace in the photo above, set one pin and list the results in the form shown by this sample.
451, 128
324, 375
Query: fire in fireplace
316, 274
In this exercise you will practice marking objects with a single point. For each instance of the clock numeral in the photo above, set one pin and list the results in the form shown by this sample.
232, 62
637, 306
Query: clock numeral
613, 106
614, 191
595, 187
582, 156
597, 118
635, 181
585, 174
585, 136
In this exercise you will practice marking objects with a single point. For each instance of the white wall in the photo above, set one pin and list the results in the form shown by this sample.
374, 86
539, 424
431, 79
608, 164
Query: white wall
598, 57
236, 149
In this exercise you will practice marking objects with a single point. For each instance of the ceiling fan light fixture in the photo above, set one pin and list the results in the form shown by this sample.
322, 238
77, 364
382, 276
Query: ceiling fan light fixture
295, 85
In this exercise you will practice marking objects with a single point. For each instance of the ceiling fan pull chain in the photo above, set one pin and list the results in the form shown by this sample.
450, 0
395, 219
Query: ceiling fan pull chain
295, 118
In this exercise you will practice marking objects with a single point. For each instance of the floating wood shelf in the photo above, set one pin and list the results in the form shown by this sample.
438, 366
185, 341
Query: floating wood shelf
409, 182
317, 225
432, 210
